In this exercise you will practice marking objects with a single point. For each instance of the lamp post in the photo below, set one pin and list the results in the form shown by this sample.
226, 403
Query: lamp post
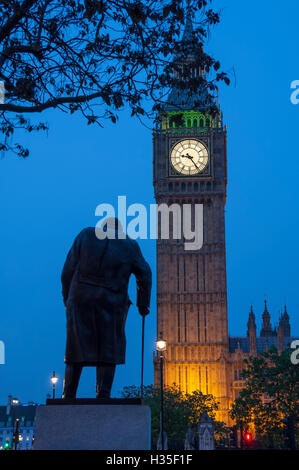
16, 434
54, 381
14, 402
161, 346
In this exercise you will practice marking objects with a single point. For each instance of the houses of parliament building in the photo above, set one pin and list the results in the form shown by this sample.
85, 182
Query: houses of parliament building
190, 167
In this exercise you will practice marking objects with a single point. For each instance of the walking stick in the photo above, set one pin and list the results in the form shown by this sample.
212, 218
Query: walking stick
142, 357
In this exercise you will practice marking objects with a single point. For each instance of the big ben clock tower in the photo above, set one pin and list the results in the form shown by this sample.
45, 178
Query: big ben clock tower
190, 168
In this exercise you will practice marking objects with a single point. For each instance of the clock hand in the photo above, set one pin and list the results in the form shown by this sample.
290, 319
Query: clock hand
187, 156
191, 158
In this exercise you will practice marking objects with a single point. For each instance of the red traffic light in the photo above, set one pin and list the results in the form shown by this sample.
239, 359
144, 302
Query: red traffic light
248, 437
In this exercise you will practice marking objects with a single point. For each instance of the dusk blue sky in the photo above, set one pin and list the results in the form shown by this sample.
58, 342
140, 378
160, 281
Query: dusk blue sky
49, 197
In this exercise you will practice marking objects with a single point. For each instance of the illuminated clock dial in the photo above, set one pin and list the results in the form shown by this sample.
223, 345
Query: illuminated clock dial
189, 157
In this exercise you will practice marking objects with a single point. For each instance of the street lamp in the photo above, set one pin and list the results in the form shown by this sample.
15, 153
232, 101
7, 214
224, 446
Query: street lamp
54, 381
16, 434
14, 402
161, 347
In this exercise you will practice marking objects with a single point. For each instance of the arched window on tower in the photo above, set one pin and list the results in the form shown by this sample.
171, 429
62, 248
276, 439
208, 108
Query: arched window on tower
208, 122
201, 123
188, 122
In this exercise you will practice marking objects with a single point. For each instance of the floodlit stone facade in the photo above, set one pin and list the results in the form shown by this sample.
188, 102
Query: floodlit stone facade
191, 285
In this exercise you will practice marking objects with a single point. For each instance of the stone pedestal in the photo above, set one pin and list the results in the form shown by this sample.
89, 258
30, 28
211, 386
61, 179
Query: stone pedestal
92, 427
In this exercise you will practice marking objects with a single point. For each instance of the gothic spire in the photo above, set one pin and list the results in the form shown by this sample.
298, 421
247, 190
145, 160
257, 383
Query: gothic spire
180, 98
251, 326
284, 323
266, 328
188, 32
286, 315
266, 314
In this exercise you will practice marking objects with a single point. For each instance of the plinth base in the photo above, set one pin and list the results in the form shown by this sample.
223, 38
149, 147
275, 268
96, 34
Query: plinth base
92, 427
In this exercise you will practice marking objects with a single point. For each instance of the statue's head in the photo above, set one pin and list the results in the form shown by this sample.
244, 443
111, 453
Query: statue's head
110, 228
111, 223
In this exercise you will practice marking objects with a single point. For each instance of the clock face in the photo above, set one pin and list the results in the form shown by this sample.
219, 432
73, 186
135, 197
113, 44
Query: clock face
189, 157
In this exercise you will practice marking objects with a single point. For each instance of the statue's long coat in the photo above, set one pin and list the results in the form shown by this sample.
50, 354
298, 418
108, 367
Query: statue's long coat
95, 281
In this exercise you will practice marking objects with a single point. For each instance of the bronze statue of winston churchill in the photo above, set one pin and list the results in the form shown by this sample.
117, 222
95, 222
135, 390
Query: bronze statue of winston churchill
95, 281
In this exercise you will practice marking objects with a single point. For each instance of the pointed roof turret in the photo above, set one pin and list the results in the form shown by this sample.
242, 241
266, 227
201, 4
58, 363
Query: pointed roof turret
251, 331
188, 32
267, 328
286, 315
266, 314
183, 99
284, 323
187, 41
251, 326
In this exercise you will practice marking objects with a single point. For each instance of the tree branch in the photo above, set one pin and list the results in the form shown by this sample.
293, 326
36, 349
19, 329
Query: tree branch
12, 22
49, 104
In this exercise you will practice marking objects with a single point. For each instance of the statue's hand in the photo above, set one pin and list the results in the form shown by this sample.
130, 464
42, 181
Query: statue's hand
143, 311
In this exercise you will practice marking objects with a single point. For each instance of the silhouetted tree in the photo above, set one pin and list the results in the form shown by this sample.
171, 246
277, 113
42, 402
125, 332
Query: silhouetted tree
270, 395
181, 410
94, 57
